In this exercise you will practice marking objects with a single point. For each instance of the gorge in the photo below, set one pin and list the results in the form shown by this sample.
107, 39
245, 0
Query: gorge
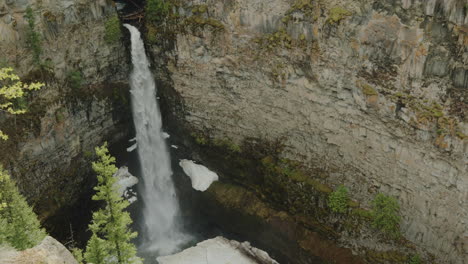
286, 100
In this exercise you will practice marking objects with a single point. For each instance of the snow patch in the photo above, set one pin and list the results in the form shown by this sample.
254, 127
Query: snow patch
219, 250
165, 135
125, 181
200, 175
132, 148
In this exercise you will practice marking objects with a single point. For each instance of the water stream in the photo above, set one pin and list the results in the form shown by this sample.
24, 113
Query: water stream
161, 213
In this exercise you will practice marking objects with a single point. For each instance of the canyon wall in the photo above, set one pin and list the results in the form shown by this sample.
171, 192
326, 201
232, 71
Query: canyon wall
84, 101
372, 93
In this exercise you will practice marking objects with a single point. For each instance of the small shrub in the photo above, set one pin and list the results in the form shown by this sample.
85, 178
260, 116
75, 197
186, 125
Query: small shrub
338, 200
33, 39
415, 260
21, 103
157, 10
113, 31
336, 14
151, 34
88, 154
368, 90
385, 212
59, 115
226, 143
200, 139
75, 79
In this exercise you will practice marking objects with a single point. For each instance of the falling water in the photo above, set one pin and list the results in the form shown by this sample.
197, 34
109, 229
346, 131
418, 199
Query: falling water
161, 208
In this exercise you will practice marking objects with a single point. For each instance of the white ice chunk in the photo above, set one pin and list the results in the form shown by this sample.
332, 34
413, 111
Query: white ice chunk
120, 5
165, 135
200, 175
219, 250
174, 146
132, 199
132, 148
125, 179
132, 140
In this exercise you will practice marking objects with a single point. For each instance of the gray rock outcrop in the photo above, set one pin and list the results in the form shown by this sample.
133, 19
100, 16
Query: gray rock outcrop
219, 250
49, 251
50, 147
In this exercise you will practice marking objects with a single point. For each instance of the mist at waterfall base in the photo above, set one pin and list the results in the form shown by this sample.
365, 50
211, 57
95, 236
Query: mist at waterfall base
162, 230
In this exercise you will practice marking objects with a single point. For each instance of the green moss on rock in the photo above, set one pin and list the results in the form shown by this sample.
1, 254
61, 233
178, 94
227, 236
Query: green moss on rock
336, 14
198, 21
199, 9
368, 90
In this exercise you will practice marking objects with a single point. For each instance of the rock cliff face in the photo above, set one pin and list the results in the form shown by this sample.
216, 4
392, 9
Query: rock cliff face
83, 103
373, 93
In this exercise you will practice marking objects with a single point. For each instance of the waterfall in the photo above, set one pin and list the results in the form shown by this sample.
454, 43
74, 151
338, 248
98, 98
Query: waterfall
161, 211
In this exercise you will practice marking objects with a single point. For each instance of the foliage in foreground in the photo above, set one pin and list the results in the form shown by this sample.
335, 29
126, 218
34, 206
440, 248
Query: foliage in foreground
77, 254
338, 200
12, 93
110, 242
385, 212
19, 226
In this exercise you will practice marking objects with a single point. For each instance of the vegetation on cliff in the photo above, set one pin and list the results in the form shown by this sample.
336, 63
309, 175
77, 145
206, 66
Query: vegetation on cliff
157, 10
33, 38
302, 194
338, 200
13, 93
113, 32
386, 214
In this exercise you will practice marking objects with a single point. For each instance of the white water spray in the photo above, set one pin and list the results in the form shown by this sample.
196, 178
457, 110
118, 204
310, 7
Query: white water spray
161, 208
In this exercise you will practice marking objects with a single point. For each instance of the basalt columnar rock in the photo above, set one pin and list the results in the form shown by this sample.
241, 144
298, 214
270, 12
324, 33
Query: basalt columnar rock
373, 93
84, 102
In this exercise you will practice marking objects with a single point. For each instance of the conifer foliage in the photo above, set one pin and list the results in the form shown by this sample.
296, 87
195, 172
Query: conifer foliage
110, 242
33, 38
19, 226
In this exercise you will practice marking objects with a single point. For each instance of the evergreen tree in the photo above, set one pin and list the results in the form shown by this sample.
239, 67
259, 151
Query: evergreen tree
157, 10
3, 231
386, 214
96, 252
110, 242
33, 38
19, 225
